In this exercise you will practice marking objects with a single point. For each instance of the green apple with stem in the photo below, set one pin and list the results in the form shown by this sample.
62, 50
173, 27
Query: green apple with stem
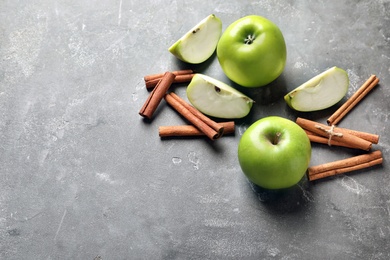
320, 92
199, 43
274, 153
252, 51
215, 98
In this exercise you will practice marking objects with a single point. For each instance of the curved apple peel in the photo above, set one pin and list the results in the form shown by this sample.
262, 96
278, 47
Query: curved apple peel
320, 92
199, 43
217, 99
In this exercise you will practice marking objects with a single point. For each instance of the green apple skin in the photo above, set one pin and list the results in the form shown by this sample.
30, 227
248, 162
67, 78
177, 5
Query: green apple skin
274, 153
252, 51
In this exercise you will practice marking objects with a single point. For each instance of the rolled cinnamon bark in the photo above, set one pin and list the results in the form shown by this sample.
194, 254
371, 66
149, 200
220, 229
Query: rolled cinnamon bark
347, 139
346, 165
353, 100
190, 130
155, 97
203, 123
150, 84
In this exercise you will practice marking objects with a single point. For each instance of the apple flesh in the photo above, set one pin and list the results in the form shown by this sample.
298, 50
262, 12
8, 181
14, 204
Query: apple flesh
274, 153
320, 92
215, 98
199, 43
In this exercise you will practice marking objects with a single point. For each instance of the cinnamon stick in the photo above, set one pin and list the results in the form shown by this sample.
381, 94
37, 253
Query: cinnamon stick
190, 130
332, 133
210, 128
353, 100
373, 138
160, 75
214, 125
157, 95
150, 84
313, 137
346, 165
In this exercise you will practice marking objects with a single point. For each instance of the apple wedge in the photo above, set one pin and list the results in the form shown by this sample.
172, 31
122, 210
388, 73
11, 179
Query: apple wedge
199, 43
215, 98
320, 92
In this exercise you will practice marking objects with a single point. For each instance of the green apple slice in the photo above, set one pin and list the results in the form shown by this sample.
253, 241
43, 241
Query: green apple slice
320, 92
199, 43
215, 98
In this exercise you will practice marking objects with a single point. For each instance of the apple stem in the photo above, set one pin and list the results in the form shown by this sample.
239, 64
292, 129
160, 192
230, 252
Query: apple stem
249, 39
276, 138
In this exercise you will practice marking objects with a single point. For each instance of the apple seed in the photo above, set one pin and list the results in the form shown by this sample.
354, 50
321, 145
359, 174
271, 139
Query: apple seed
196, 30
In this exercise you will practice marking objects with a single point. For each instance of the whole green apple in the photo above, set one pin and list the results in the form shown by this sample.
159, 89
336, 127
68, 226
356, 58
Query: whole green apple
274, 153
252, 51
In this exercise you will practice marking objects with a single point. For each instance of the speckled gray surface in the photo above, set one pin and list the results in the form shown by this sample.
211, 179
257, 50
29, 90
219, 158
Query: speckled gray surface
83, 176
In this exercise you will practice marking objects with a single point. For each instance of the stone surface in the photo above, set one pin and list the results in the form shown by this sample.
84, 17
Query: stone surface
83, 176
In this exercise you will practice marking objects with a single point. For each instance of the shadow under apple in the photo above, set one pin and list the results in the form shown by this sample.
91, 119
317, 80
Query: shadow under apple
197, 68
264, 95
286, 200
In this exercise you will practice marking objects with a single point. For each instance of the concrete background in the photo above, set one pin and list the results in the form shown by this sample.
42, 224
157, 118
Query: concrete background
83, 176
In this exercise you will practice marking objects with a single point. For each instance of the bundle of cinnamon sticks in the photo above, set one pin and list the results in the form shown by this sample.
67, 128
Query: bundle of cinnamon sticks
201, 125
336, 136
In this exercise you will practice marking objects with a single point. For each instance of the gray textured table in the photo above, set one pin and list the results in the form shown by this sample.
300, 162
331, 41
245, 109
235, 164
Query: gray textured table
83, 176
